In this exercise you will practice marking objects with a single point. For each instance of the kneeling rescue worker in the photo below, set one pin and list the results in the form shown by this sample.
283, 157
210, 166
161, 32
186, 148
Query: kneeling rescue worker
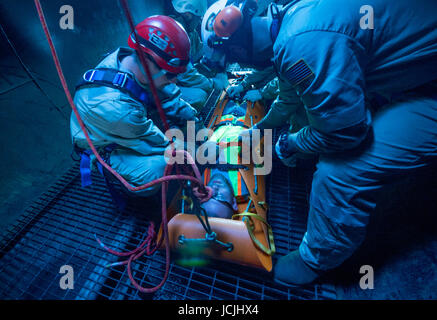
370, 97
115, 101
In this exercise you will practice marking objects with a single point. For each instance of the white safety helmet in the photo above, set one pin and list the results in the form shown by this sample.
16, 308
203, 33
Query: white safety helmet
207, 26
207, 31
196, 7
223, 26
231, 14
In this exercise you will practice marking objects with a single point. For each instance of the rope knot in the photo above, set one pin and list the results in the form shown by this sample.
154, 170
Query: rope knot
202, 195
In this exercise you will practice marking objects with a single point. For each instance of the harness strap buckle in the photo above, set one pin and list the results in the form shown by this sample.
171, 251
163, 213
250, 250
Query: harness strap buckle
120, 79
91, 75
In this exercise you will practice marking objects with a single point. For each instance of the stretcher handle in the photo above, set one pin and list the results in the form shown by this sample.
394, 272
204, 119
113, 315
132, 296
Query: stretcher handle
247, 219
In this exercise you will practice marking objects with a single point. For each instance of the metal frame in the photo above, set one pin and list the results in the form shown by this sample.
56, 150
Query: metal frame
60, 227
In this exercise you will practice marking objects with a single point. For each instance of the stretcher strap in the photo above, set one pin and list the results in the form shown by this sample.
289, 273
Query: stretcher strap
188, 200
247, 219
85, 169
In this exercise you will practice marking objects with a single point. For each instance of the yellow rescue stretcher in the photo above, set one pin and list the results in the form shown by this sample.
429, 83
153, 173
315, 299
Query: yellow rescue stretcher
248, 235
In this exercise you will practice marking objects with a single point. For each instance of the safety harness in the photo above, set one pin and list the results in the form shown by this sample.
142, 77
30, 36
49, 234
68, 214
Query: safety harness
278, 16
124, 82
116, 79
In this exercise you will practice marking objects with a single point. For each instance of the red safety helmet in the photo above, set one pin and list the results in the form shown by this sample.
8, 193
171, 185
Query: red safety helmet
228, 21
165, 40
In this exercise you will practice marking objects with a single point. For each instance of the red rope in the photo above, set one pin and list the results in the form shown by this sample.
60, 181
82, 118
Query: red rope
150, 236
138, 252
142, 57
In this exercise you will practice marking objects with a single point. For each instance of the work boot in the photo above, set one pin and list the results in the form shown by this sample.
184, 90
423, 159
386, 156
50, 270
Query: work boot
292, 270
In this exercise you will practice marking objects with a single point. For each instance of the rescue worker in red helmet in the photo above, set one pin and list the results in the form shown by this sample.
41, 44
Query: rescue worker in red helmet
115, 101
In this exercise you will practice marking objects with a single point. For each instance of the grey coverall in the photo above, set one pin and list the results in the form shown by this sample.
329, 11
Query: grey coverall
112, 116
331, 62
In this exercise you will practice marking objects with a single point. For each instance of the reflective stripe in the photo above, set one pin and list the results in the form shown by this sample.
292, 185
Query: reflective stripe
207, 176
233, 176
234, 119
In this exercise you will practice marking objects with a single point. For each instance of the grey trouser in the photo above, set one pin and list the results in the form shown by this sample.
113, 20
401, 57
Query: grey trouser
346, 187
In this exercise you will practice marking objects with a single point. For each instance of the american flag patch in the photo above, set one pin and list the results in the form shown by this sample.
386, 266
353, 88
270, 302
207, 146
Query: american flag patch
298, 73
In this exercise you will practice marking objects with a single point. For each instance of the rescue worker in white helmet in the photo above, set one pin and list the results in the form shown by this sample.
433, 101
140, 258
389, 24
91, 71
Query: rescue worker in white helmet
255, 85
369, 92
194, 86
115, 101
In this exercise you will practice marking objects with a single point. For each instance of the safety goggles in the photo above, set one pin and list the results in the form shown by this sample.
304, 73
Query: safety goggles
152, 45
170, 76
162, 72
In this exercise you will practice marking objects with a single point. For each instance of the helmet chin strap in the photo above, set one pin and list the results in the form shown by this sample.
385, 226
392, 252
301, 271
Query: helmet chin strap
159, 74
156, 75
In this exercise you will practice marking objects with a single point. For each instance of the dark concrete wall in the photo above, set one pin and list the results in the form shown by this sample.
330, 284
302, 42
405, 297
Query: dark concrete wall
34, 123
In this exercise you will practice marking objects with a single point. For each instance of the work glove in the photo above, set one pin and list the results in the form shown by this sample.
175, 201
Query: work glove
170, 91
286, 149
220, 81
253, 95
235, 91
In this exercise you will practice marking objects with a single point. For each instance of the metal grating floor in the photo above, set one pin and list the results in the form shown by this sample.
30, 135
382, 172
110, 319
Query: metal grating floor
60, 227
